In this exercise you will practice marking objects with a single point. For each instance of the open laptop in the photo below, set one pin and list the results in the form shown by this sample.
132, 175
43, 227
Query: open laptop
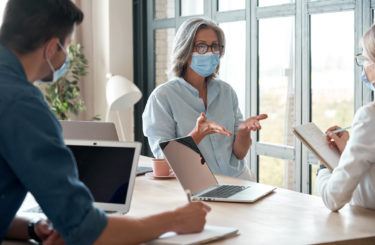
108, 169
91, 130
194, 175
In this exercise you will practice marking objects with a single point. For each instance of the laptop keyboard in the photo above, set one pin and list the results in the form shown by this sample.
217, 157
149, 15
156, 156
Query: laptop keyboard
224, 191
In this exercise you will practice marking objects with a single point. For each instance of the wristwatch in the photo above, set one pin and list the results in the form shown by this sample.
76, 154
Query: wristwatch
320, 168
31, 231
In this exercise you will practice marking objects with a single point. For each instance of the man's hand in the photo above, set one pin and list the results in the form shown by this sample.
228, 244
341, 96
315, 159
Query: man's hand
43, 229
191, 217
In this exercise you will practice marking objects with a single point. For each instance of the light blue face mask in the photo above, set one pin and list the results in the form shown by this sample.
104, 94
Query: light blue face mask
56, 74
204, 64
366, 81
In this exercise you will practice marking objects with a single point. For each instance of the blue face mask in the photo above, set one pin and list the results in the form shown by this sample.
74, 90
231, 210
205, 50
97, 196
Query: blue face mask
204, 64
57, 74
366, 81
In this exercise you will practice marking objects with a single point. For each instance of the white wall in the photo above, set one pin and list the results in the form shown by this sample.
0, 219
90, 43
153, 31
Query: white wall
107, 35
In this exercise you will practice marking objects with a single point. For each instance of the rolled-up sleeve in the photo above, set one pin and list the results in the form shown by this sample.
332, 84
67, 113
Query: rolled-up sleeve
35, 151
158, 122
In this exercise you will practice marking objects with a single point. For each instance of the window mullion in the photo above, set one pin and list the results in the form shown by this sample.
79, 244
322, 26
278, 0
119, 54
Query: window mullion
254, 102
305, 93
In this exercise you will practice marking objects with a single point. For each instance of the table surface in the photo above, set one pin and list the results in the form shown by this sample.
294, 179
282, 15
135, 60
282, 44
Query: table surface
283, 217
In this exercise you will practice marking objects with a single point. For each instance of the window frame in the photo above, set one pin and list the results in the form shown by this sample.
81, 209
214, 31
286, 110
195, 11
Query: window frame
302, 11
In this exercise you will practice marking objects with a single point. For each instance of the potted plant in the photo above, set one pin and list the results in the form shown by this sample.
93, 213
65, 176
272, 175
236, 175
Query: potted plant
63, 96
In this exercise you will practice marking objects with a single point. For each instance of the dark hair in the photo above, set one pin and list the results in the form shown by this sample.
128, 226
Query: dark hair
28, 24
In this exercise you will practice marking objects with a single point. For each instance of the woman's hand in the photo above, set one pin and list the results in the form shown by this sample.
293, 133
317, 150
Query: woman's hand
338, 140
242, 142
251, 124
203, 128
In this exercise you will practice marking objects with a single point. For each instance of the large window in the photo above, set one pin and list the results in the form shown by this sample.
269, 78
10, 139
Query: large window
291, 59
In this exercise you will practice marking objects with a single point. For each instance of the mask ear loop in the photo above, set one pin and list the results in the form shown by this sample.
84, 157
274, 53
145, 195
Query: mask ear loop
48, 61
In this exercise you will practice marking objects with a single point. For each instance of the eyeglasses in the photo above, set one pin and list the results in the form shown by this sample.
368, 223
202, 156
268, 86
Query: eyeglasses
362, 60
203, 48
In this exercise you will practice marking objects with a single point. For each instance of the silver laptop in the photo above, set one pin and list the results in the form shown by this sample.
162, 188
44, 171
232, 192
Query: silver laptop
194, 174
107, 168
89, 130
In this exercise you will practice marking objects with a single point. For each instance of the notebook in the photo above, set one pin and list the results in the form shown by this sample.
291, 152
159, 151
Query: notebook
210, 233
315, 140
193, 173
108, 169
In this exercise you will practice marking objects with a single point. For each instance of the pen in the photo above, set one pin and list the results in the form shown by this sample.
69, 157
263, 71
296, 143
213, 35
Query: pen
188, 195
340, 130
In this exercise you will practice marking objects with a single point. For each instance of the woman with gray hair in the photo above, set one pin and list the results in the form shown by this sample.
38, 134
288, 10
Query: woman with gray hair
353, 180
220, 132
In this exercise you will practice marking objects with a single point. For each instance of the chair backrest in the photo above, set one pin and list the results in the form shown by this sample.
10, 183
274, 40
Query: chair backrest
89, 130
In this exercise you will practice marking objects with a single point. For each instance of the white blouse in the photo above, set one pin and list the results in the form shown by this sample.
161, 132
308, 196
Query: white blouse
354, 178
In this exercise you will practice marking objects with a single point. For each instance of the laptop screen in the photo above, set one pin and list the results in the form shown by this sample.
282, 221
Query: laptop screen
105, 170
188, 164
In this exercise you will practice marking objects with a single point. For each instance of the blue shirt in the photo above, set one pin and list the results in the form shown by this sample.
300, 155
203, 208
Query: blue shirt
34, 158
172, 111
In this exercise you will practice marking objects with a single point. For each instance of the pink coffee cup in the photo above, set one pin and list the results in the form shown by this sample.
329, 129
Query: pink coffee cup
160, 167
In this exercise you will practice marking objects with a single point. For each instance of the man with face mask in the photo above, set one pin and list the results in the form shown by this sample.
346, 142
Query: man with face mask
353, 180
34, 38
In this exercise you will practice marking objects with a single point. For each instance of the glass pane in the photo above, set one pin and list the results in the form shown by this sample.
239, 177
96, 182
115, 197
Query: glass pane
191, 7
271, 171
276, 79
164, 9
263, 3
332, 65
163, 52
2, 8
233, 63
226, 5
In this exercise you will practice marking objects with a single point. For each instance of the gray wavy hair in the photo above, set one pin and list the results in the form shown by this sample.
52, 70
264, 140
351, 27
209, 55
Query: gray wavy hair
184, 44
368, 43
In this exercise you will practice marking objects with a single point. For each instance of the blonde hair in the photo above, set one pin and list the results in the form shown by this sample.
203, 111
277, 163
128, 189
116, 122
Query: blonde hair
184, 43
368, 44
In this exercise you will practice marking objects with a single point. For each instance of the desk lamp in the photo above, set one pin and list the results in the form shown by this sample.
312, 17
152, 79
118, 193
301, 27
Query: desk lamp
121, 94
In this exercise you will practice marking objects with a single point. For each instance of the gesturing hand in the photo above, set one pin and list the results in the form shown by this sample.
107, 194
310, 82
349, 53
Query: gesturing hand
251, 124
203, 128
338, 140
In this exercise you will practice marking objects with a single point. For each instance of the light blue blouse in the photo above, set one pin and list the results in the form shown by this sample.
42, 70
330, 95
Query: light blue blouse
172, 111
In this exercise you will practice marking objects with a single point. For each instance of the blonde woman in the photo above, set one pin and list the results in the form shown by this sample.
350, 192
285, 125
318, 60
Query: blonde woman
220, 132
354, 179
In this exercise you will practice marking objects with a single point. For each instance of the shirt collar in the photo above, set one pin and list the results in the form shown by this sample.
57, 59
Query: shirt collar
212, 89
10, 62
187, 85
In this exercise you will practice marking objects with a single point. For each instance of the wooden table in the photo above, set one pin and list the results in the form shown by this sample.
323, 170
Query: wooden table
284, 217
